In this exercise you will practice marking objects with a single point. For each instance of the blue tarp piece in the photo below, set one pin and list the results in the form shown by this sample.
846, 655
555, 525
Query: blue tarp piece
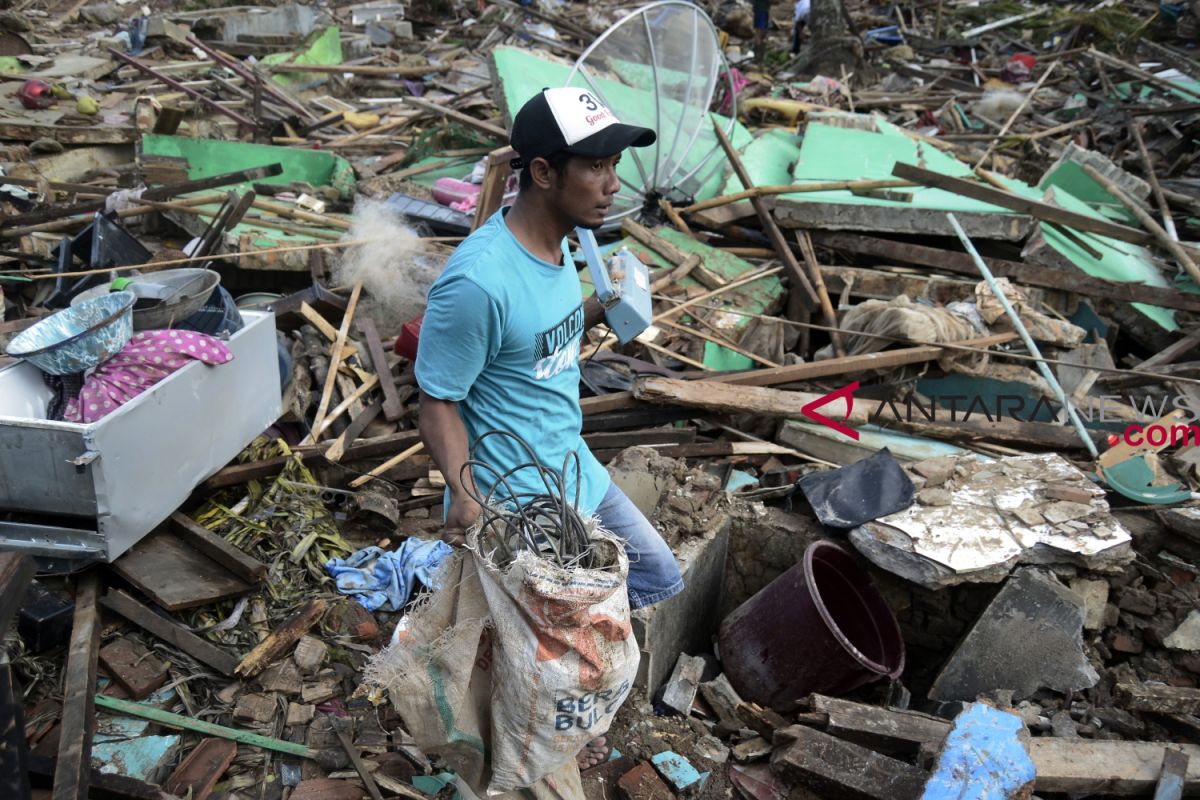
982, 759
382, 579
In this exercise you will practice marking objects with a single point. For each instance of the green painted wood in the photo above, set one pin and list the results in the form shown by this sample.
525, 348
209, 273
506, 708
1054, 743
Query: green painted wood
187, 723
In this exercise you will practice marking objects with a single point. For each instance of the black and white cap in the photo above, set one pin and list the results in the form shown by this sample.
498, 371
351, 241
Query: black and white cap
575, 121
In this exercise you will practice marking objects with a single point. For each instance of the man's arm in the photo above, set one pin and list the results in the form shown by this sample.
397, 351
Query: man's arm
593, 313
445, 438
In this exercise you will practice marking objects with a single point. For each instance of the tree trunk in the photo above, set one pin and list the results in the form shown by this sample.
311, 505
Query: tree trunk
832, 46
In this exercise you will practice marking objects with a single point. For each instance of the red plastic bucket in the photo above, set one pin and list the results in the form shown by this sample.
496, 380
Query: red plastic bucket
819, 627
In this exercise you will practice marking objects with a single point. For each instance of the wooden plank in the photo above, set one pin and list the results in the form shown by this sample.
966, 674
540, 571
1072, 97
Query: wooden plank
14, 748
16, 572
73, 771
170, 632
883, 729
66, 134
1028, 274
1085, 766
471, 122
393, 408
279, 640
649, 436
1170, 354
164, 568
357, 425
246, 567
848, 365
808, 284
335, 360
834, 768
1159, 698
494, 177
1015, 202
255, 470
727, 399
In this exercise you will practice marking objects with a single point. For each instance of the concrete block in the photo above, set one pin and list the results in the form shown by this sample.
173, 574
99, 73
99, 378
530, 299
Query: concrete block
1094, 594
1187, 635
1028, 638
685, 623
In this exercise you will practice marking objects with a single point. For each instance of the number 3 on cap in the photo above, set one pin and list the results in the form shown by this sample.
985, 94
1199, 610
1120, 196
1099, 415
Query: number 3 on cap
589, 102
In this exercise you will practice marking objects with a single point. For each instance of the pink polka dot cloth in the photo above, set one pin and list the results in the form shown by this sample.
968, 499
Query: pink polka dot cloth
149, 357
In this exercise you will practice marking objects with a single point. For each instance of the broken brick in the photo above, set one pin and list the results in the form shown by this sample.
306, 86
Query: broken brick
255, 708
310, 654
643, 783
1122, 642
199, 772
1137, 601
134, 667
300, 713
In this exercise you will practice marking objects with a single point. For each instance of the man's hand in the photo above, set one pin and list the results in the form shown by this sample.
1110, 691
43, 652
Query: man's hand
463, 513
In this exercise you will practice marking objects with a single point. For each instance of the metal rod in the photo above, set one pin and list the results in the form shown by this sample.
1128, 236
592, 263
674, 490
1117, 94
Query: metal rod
174, 84
238, 69
1025, 337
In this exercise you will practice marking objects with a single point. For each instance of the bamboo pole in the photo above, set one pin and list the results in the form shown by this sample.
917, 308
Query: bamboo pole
1013, 118
798, 188
1155, 186
385, 466
1156, 230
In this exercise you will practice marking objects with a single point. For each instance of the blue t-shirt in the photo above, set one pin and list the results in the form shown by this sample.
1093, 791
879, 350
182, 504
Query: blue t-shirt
501, 338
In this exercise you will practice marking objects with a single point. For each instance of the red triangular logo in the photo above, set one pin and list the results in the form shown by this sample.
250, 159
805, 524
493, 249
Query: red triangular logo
846, 393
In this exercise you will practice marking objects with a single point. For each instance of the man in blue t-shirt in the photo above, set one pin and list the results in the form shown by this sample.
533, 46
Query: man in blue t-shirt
500, 341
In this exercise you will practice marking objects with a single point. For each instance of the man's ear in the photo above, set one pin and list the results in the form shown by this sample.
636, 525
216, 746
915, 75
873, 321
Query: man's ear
541, 173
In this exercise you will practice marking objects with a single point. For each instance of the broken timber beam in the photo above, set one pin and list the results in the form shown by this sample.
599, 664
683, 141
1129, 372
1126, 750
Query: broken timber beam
170, 632
1160, 235
832, 767
1019, 272
277, 643
367, 448
73, 770
1015, 202
249, 569
1084, 766
722, 398
1159, 698
884, 729
782, 248
886, 359
684, 264
393, 409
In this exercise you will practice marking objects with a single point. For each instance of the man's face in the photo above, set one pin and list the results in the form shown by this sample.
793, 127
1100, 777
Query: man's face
584, 189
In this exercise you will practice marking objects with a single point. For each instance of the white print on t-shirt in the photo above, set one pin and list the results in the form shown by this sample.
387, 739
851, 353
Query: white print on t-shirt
557, 361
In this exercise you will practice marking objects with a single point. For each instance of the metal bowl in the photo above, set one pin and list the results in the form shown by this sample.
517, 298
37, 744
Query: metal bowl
78, 338
184, 292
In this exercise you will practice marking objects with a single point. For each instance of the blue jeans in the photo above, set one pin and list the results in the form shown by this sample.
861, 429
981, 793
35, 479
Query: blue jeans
653, 574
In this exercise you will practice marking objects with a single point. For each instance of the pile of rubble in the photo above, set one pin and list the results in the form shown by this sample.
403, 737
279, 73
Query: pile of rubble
924, 294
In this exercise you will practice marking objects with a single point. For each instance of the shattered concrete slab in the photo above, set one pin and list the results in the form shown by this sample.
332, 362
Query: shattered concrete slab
1001, 514
1028, 638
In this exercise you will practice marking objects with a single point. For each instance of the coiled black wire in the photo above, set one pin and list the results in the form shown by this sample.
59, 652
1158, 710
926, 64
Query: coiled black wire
544, 524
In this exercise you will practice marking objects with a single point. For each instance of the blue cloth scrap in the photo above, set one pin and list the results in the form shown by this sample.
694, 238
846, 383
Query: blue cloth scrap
982, 759
384, 580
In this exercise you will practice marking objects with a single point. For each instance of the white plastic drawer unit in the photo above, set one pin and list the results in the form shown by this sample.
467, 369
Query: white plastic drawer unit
71, 493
